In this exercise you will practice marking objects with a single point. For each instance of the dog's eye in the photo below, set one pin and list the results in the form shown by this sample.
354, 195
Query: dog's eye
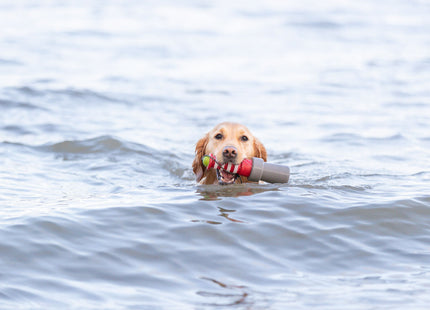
218, 136
244, 138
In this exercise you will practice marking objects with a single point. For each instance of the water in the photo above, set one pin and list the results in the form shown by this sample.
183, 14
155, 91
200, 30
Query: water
102, 102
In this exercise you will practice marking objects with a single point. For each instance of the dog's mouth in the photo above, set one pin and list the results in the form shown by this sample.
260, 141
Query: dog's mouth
225, 178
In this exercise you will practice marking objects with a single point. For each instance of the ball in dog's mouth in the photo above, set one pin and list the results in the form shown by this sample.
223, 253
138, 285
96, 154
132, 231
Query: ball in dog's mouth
225, 177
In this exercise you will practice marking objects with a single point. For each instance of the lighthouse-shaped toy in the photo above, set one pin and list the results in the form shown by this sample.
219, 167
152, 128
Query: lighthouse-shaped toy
254, 169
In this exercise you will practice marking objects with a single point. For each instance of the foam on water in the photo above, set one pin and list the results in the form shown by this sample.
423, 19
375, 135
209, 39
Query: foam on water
102, 103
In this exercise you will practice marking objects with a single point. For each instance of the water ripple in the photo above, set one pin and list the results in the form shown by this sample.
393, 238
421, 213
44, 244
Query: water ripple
99, 207
11, 104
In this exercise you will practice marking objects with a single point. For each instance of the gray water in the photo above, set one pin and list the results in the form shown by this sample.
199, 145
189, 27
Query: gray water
101, 103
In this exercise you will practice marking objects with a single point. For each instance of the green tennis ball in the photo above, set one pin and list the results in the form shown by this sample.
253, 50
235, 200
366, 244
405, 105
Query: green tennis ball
206, 159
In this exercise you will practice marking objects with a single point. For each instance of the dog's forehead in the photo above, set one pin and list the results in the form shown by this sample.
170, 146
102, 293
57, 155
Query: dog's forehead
235, 129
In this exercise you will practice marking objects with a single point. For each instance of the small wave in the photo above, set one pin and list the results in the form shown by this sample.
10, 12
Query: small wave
356, 139
421, 173
10, 62
395, 137
199, 91
72, 93
345, 175
83, 94
89, 33
11, 104
129, 155
319, 24
108, 152
17, 130
102, 144
337, 137
28, 91
348, 188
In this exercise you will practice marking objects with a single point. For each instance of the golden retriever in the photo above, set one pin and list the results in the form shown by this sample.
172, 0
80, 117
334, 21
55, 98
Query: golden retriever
230, 143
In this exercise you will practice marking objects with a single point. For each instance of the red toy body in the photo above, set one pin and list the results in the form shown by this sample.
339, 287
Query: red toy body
244, 168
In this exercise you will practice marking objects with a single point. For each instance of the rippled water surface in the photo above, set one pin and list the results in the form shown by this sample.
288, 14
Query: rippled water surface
101, 103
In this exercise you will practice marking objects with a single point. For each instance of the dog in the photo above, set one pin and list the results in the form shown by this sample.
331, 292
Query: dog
230, 143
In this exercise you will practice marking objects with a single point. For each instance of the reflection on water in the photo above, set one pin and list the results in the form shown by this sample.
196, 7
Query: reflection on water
217, 192
234, 295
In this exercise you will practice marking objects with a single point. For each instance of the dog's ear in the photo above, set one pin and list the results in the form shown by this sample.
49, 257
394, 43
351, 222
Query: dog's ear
260, 150
198, 167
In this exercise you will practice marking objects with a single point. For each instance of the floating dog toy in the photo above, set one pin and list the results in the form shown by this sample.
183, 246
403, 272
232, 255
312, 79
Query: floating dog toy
254, 169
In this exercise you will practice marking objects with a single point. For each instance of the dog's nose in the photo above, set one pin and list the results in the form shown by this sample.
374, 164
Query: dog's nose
229, 153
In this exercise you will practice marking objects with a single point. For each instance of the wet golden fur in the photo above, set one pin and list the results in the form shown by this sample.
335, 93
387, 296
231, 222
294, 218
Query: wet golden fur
232, 135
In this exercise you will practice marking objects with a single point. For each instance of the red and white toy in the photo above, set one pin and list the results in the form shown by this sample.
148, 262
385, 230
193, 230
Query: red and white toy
254, 169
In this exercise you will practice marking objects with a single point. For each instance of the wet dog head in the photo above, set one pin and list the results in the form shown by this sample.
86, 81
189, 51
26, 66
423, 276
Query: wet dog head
230, 143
